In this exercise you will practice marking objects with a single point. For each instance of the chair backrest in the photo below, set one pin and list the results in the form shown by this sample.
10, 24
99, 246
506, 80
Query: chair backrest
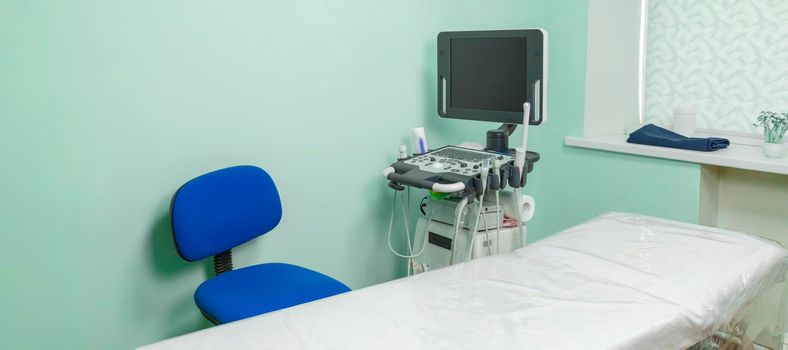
217, 211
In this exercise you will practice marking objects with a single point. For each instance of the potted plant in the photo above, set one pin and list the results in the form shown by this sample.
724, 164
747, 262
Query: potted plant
774, 128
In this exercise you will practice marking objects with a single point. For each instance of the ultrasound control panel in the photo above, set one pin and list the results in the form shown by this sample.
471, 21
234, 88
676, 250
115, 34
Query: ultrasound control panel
458, 160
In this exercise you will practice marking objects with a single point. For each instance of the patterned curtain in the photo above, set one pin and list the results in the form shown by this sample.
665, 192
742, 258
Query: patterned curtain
727, 57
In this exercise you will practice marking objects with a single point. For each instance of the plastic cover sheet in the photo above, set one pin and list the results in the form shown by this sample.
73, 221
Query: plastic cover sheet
620, 281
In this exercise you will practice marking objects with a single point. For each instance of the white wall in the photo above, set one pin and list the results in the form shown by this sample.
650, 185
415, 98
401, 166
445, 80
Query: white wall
754, 202
612, 69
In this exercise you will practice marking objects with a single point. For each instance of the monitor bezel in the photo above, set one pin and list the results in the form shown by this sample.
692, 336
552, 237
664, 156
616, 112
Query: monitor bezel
536, 72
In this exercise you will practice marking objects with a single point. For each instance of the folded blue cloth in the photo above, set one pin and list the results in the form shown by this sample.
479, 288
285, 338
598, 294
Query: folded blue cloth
655, 136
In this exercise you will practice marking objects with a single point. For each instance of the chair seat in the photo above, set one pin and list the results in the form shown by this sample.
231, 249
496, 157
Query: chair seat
258, 289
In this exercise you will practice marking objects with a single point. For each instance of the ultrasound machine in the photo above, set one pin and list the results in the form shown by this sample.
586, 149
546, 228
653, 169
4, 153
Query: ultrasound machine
495, 76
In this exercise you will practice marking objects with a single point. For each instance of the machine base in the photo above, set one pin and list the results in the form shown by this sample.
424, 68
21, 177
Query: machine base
438, 250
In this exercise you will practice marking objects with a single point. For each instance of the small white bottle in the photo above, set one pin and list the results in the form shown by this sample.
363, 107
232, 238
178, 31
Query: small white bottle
420, 145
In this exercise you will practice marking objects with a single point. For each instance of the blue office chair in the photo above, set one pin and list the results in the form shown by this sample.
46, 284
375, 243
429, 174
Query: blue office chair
220, 210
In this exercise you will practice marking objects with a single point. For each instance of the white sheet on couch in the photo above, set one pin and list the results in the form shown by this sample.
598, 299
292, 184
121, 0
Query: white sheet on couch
620, 281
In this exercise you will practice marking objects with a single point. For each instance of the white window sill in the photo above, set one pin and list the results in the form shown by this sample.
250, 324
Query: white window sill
735, 156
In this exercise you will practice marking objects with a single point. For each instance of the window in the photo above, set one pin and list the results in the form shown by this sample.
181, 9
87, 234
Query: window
728, 58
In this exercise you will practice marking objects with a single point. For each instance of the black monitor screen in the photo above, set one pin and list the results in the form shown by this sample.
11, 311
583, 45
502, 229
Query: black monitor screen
488, 73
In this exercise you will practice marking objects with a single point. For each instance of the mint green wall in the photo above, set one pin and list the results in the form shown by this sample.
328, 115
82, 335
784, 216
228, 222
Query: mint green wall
106, 107
572, 185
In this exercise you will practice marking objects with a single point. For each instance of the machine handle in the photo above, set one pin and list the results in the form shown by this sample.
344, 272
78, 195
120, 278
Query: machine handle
448, 188
391, 175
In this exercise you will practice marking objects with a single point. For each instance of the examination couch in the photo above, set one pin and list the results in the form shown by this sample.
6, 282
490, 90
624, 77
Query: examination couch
620, 281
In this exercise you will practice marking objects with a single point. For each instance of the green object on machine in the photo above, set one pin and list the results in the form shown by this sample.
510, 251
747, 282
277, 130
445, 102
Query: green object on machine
438, 195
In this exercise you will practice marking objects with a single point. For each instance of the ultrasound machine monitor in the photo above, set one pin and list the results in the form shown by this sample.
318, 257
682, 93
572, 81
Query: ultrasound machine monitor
488, 75
484, 76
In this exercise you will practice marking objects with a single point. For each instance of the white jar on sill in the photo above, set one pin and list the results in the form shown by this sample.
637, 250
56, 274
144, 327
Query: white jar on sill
684, 120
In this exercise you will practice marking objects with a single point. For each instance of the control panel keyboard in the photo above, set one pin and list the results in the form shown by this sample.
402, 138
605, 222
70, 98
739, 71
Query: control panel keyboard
452, 159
